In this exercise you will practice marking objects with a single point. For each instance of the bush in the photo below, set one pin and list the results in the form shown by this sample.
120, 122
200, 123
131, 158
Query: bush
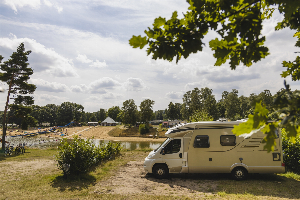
143, 129
80, 155
291, 150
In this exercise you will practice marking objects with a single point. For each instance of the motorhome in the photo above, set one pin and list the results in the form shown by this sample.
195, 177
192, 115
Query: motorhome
211, 147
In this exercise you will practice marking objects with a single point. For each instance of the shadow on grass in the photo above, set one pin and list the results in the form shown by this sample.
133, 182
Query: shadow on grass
256, 184
73, 183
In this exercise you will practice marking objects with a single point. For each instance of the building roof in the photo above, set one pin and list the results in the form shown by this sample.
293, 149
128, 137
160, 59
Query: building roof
109, 120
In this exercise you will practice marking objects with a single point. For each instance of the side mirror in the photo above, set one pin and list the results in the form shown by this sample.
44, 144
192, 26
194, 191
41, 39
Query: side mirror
163, 151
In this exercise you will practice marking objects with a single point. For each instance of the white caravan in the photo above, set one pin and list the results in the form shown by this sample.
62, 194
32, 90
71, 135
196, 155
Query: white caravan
211, 147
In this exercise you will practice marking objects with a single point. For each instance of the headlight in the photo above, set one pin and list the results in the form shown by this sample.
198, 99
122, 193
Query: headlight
150, 156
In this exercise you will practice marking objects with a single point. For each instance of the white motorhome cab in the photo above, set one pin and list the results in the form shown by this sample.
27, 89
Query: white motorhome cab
211, 147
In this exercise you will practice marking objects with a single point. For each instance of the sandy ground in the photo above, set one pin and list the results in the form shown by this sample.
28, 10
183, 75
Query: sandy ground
132, 180
98, 132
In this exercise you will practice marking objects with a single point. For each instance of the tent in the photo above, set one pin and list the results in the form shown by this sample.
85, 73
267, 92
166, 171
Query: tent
108, 122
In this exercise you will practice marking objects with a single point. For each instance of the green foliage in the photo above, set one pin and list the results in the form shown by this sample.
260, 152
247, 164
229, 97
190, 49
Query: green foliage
199, 100
146, 112
102, 114
287, 103
159, 114
80, 156
68, 112
293, 69
201, 116
138, 41
129, 114
291, 149
259, 120
173, 111
114, 112
144, 128
92, 118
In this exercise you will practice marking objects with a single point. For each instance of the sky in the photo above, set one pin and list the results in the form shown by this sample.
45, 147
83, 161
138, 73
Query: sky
81, 54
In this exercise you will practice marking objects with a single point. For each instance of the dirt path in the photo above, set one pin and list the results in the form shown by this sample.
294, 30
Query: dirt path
132, 180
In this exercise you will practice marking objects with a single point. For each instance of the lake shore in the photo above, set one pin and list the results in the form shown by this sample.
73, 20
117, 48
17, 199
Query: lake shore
85, 132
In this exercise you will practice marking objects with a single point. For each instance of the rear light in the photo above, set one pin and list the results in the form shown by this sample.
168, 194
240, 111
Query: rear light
283, 164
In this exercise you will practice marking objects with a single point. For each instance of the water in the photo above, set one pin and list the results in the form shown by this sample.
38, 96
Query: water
33, 142
131, 145
44, 142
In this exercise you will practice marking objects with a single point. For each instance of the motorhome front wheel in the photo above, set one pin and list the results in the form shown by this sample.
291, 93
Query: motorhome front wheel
160, 171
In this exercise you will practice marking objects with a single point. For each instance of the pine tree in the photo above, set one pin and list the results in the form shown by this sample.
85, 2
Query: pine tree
15, 73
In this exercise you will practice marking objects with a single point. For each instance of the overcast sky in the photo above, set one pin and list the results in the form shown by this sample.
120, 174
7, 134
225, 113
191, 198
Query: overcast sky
81, 54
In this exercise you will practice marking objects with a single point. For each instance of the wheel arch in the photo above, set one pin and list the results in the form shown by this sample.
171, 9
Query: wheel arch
236, 165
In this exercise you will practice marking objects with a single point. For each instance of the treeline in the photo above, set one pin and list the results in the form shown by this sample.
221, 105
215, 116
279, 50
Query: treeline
198, 105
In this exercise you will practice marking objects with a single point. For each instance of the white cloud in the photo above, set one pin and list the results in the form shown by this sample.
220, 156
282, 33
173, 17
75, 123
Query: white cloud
58, 8
43, 99
43, 85
94, 98
134, 84
79, 88
174, 95
111, 95
42, 59
14, 4
149, 7
48, 3
98, 64
83, 59
102, 85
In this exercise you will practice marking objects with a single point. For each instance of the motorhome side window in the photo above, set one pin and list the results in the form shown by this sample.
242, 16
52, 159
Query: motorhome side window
173, 146
201, 141
227, 140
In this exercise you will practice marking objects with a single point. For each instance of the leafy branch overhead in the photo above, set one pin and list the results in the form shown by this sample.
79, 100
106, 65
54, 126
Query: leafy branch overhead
238, 23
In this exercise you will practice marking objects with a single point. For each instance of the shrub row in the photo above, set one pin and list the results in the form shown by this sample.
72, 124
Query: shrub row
80, 156
291, 150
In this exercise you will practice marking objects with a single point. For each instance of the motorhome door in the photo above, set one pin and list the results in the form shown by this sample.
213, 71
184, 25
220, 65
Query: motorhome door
172, 155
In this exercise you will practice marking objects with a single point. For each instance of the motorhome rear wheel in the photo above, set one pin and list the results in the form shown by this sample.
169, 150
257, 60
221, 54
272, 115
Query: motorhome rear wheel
239, 173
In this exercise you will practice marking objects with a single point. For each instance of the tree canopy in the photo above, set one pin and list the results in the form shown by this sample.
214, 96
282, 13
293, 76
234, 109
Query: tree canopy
239, 24
146, 112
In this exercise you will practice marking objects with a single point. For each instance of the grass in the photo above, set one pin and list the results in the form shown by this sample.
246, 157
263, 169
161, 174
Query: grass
47, 182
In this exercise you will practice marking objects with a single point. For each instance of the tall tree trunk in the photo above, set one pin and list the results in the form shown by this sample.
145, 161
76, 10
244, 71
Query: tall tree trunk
4, 123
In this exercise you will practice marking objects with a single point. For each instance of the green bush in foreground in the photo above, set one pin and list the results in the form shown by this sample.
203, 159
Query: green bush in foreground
291, 149
79, 156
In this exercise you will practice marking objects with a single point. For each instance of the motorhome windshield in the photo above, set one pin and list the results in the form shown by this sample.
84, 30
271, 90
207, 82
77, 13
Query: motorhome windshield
163, 144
